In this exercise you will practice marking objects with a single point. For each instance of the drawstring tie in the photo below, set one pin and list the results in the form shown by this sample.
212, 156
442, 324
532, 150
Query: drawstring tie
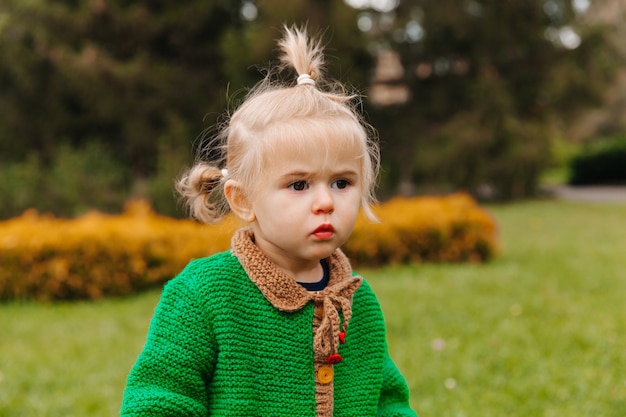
331, 331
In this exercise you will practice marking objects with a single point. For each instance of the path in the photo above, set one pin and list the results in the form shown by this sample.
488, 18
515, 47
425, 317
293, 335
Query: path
609, 194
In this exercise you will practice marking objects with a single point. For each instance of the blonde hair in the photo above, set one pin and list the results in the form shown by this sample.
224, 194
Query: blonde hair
275, 115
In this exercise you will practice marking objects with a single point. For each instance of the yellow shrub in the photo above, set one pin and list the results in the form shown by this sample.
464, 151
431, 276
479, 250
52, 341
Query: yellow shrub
98, 255
425, 229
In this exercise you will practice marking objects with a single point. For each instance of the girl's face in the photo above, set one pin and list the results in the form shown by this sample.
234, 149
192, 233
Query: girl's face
305, 206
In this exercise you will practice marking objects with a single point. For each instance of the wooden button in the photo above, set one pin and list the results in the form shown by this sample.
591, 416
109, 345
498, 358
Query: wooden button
325, 374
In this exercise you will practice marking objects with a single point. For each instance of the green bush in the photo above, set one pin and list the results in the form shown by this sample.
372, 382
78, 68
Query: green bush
86, 178
493, 157
603, 163
72, 182
20, 187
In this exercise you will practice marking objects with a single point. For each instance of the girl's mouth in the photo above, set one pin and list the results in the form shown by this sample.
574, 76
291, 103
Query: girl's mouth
324, 232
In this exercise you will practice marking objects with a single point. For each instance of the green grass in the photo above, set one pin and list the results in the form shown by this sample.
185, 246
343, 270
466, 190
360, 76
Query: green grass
69, 359
540, 331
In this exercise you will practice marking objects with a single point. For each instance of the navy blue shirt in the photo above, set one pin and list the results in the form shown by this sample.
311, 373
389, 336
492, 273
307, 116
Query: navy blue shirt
321, 284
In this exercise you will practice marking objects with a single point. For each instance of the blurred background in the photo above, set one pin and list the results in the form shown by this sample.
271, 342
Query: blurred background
102, 101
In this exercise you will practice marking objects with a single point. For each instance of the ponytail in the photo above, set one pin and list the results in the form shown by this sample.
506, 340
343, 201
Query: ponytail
201, 188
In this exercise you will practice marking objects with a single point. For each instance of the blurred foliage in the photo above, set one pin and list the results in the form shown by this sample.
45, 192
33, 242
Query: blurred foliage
70, 183
600, 163
124, 72
489, 85
97, 255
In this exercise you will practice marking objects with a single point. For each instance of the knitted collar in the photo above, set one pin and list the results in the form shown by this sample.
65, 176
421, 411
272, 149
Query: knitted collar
285, 294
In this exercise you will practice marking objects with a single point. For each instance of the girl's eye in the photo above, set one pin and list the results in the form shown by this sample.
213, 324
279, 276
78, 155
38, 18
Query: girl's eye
340, 184
299, 185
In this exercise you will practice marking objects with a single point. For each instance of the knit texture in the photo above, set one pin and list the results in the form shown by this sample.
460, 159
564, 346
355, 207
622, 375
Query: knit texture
226, 342
286, 295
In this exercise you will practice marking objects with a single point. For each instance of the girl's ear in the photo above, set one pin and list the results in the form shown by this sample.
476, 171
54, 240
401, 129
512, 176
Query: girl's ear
238, 201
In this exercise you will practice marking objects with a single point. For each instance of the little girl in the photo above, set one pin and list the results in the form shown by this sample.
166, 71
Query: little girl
279, 325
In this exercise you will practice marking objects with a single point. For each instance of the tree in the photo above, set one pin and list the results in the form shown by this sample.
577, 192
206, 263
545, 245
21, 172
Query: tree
465, 95
126, 73
138, 77
144, 77
606, 121
483, 88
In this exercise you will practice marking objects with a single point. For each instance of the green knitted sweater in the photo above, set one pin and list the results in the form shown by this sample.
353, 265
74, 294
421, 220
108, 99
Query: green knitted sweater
218, 345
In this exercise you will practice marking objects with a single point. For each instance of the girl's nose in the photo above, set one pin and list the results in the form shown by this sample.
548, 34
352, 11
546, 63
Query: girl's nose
323, 202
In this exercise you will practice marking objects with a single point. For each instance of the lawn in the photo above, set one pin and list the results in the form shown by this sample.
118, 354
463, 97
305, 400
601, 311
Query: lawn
539, 331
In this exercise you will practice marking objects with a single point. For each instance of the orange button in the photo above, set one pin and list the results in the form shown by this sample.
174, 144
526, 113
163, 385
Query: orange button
325, 374
319, 311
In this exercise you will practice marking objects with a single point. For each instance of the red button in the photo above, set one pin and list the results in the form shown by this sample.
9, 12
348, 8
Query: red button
334, 358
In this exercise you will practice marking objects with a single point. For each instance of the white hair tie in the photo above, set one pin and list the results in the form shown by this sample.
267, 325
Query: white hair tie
305, 79
224, 172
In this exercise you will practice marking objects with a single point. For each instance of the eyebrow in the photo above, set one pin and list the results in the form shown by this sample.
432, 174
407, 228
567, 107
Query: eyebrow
296, 174
346, 173
307, 174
